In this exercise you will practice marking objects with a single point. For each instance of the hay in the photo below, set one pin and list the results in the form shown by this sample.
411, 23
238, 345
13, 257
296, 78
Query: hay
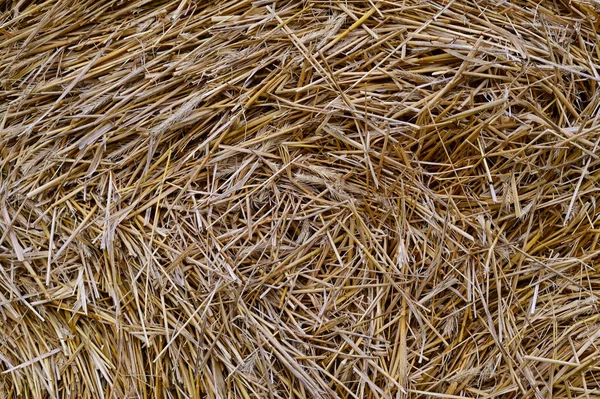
299, 199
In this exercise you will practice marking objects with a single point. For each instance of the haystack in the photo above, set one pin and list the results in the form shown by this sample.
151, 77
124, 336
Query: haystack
299, 199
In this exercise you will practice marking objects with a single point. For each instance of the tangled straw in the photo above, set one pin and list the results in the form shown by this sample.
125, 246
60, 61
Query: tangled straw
299, 199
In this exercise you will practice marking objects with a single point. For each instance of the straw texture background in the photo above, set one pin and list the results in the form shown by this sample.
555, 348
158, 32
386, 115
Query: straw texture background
299, 199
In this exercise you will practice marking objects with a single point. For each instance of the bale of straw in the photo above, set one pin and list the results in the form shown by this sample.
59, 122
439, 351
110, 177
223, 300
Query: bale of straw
299, 199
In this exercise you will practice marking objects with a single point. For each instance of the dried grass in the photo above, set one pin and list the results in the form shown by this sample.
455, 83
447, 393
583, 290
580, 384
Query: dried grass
299, 199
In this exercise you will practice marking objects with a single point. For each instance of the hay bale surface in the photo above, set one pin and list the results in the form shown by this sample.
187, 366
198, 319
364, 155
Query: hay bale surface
299, 199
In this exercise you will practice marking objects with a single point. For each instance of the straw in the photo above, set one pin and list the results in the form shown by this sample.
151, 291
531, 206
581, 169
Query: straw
299, 199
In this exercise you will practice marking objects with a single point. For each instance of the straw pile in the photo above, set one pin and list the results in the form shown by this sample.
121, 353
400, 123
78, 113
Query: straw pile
299, 199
